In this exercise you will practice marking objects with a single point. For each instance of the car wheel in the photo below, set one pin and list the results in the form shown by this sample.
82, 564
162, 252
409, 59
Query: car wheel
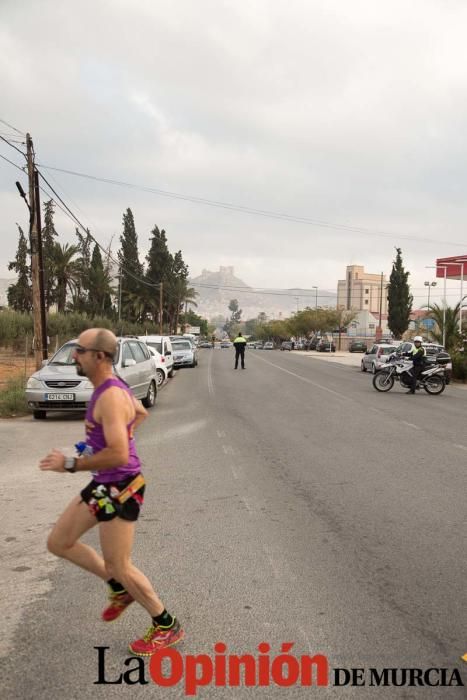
39, 415
362, 367
150, 398
171, 373
160, 377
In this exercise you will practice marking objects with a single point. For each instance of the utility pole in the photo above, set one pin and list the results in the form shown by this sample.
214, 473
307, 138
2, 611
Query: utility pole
41, 265
120, 294
160, 309
34, 204
379, 330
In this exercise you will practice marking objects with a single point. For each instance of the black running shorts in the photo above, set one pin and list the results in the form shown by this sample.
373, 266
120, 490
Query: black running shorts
103, 504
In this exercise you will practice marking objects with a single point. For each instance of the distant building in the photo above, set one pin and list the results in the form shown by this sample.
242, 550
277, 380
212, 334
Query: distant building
362, 291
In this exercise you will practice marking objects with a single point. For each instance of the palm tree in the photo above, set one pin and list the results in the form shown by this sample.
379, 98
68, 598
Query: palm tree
66, 271
446, 319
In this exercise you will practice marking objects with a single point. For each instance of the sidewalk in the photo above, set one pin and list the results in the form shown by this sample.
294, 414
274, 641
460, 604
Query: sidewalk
352, 359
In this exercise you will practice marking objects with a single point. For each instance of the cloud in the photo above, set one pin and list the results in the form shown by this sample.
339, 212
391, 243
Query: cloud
350, 113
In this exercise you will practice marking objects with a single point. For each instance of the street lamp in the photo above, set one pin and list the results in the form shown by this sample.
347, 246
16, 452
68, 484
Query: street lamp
429, 285
316, 295
436, 267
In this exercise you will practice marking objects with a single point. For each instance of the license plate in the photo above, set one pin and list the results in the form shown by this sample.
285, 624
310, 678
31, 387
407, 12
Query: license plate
59, 397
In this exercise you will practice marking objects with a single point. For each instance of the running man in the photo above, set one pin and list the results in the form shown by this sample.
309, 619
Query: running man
114, 496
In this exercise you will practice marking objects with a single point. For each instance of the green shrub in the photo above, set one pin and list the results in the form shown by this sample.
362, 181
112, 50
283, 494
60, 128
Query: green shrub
459, 366
12, 398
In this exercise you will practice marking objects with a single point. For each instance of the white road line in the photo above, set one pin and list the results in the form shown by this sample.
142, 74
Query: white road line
246, 504
306, 638
460, 447
411, 425
232, 469
228, 449
220, 433
210, 379
305, 379
274, 568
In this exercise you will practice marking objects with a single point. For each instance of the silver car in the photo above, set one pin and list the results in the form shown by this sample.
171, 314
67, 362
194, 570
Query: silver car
184, 353
58, 387
376, 356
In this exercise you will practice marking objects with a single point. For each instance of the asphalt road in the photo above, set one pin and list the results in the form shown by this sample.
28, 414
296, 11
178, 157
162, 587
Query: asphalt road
289, 502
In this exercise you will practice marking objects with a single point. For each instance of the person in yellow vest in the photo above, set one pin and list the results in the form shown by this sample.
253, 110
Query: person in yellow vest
418, 358
239, 345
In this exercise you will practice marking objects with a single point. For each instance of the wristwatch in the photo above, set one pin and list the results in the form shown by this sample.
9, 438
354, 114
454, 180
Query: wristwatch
70, 464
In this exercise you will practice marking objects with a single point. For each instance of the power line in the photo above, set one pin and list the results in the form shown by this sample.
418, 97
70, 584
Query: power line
249, 210
13, 127
12, 146
11, 163
75, 219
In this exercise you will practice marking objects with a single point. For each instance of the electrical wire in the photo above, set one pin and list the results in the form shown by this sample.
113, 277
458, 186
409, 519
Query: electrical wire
250, 210
13, 127
239, 290
12, 146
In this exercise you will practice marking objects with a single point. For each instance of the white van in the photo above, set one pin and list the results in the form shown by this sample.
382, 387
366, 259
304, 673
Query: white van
162, 344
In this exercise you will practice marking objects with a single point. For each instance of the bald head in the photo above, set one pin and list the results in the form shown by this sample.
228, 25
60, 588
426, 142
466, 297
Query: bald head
100, 339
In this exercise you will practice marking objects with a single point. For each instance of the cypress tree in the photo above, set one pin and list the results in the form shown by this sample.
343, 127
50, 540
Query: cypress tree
128, 257
49, 236
399, 298
19, 294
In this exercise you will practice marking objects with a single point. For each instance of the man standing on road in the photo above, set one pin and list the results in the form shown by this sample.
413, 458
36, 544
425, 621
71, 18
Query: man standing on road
114, 496
239, 345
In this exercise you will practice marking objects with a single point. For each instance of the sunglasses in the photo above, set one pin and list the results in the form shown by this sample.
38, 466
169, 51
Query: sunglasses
79, 350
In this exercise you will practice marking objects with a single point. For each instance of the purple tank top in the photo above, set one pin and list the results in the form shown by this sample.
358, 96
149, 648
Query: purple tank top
95, 438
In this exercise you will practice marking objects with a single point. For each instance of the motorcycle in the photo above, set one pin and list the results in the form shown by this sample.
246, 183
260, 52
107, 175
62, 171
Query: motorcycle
399, 370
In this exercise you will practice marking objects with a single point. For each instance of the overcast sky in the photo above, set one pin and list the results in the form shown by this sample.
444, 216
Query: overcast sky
350, 112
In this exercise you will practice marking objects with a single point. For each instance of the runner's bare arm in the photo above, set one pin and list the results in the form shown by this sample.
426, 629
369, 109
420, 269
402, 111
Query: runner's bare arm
141, 413
113, 411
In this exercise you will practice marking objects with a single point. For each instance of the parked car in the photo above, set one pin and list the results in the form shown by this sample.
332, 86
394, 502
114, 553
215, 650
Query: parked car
326, 346
205, 344
251, 345
435, 353
185, 354
358, 346
268, 345
161, 367
312, 344
286, 345
226, 344
58, 387
298, 345
163, 345
376, 356
259, 346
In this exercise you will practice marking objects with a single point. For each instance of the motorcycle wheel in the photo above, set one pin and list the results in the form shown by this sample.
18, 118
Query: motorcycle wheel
434, 385
383, 381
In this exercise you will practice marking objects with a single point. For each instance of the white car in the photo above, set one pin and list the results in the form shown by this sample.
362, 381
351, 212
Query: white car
163, 345
162, 373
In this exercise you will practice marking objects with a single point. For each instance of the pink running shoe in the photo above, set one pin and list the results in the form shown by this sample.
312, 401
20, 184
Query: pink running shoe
118, 604
156, 638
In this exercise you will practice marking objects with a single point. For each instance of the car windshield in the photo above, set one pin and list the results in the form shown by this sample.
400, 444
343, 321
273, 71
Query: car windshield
156, 346
64, 356
182, 345
388, 350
